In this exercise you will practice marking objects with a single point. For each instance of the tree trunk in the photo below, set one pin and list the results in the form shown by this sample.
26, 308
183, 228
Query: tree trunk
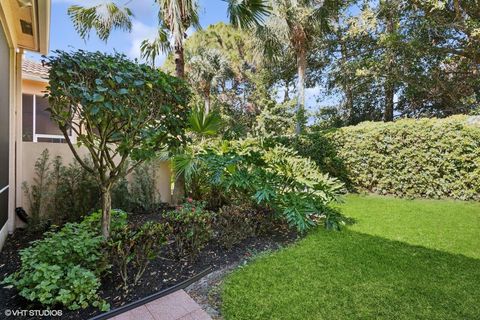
300, 109
207, 104
179, 61
207, 99
389, 103
389, 86
179, 184
346, 84
179, 189
106, 212
286, 96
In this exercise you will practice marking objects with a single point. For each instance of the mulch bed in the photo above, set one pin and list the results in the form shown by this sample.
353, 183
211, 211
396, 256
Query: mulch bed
162, 273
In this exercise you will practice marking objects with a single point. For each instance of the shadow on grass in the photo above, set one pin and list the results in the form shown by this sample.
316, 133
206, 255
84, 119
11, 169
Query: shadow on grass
349, 275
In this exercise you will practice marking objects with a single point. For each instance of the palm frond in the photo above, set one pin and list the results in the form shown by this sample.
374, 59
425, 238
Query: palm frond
178, 16
247, 13
185, 164
103, 18
202, 123
150, 50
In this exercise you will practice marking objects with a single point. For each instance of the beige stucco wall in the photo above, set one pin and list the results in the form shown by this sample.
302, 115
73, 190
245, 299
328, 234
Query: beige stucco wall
34, 87
32, 150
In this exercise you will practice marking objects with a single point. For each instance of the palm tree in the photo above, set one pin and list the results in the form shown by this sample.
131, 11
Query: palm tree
201, 125
293, 26
208, 67
176, 16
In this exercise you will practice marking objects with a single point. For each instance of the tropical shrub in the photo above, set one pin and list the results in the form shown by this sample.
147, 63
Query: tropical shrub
430, 158
319, 147
132, 248
190, 228
250, 171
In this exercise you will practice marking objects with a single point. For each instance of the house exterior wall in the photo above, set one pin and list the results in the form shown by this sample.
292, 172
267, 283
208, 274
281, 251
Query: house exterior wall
32, 150
9, 87
5, 67
12, 44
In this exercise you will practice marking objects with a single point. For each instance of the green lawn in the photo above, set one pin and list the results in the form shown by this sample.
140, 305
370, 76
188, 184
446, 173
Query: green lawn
402, 259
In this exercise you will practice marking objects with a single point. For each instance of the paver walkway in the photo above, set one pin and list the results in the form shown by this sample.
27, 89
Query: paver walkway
175, 306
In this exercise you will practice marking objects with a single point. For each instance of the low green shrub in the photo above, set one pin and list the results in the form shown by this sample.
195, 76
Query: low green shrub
143, 192
38, 193
94, 220
66, 265
233, 224
132, 248
66, 193
190, 228
63, 268
54, 194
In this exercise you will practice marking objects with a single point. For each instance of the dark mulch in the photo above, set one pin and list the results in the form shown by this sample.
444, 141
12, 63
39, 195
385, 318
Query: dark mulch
162, 273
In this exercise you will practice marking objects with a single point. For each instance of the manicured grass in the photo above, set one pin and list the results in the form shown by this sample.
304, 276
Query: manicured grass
447, 225
402, 260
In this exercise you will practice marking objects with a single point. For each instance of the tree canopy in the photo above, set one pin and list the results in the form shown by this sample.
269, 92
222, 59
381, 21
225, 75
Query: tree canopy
122, 112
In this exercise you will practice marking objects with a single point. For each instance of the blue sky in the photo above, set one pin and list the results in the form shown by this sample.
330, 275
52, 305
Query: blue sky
63, 35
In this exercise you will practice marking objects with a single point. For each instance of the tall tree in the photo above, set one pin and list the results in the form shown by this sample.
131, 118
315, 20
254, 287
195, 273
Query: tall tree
207, 67
292, 26
389, 14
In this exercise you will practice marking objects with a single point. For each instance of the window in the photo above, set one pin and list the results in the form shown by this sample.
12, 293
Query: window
37, 125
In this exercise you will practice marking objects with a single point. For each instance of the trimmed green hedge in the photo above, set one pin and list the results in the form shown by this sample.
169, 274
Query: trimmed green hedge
430, 158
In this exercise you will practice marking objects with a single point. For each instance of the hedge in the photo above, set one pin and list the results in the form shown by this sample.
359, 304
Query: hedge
429, 158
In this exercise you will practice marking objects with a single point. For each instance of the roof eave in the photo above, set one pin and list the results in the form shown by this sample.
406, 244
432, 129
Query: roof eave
43, 12
33, 77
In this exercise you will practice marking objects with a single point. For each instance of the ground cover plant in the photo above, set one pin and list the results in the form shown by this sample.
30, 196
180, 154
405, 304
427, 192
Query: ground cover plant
403, 259
138, 247
64, 268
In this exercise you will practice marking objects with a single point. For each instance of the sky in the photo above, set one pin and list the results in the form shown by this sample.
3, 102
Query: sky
144, 26
63, 35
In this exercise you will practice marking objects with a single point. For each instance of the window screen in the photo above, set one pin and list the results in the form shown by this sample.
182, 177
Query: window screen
44, 125
27, 117
36, 123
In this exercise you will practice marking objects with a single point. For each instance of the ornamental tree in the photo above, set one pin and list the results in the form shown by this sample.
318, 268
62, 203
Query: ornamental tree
122, 112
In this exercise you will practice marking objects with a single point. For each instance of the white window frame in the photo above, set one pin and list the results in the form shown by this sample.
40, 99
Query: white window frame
36, 135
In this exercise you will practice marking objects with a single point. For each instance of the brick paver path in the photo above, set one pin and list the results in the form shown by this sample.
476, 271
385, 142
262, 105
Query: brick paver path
176, 306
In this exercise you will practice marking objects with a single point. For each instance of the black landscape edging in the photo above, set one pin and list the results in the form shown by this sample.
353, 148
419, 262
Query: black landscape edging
152, 297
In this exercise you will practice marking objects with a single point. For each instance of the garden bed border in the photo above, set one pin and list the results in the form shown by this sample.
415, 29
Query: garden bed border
155, 296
